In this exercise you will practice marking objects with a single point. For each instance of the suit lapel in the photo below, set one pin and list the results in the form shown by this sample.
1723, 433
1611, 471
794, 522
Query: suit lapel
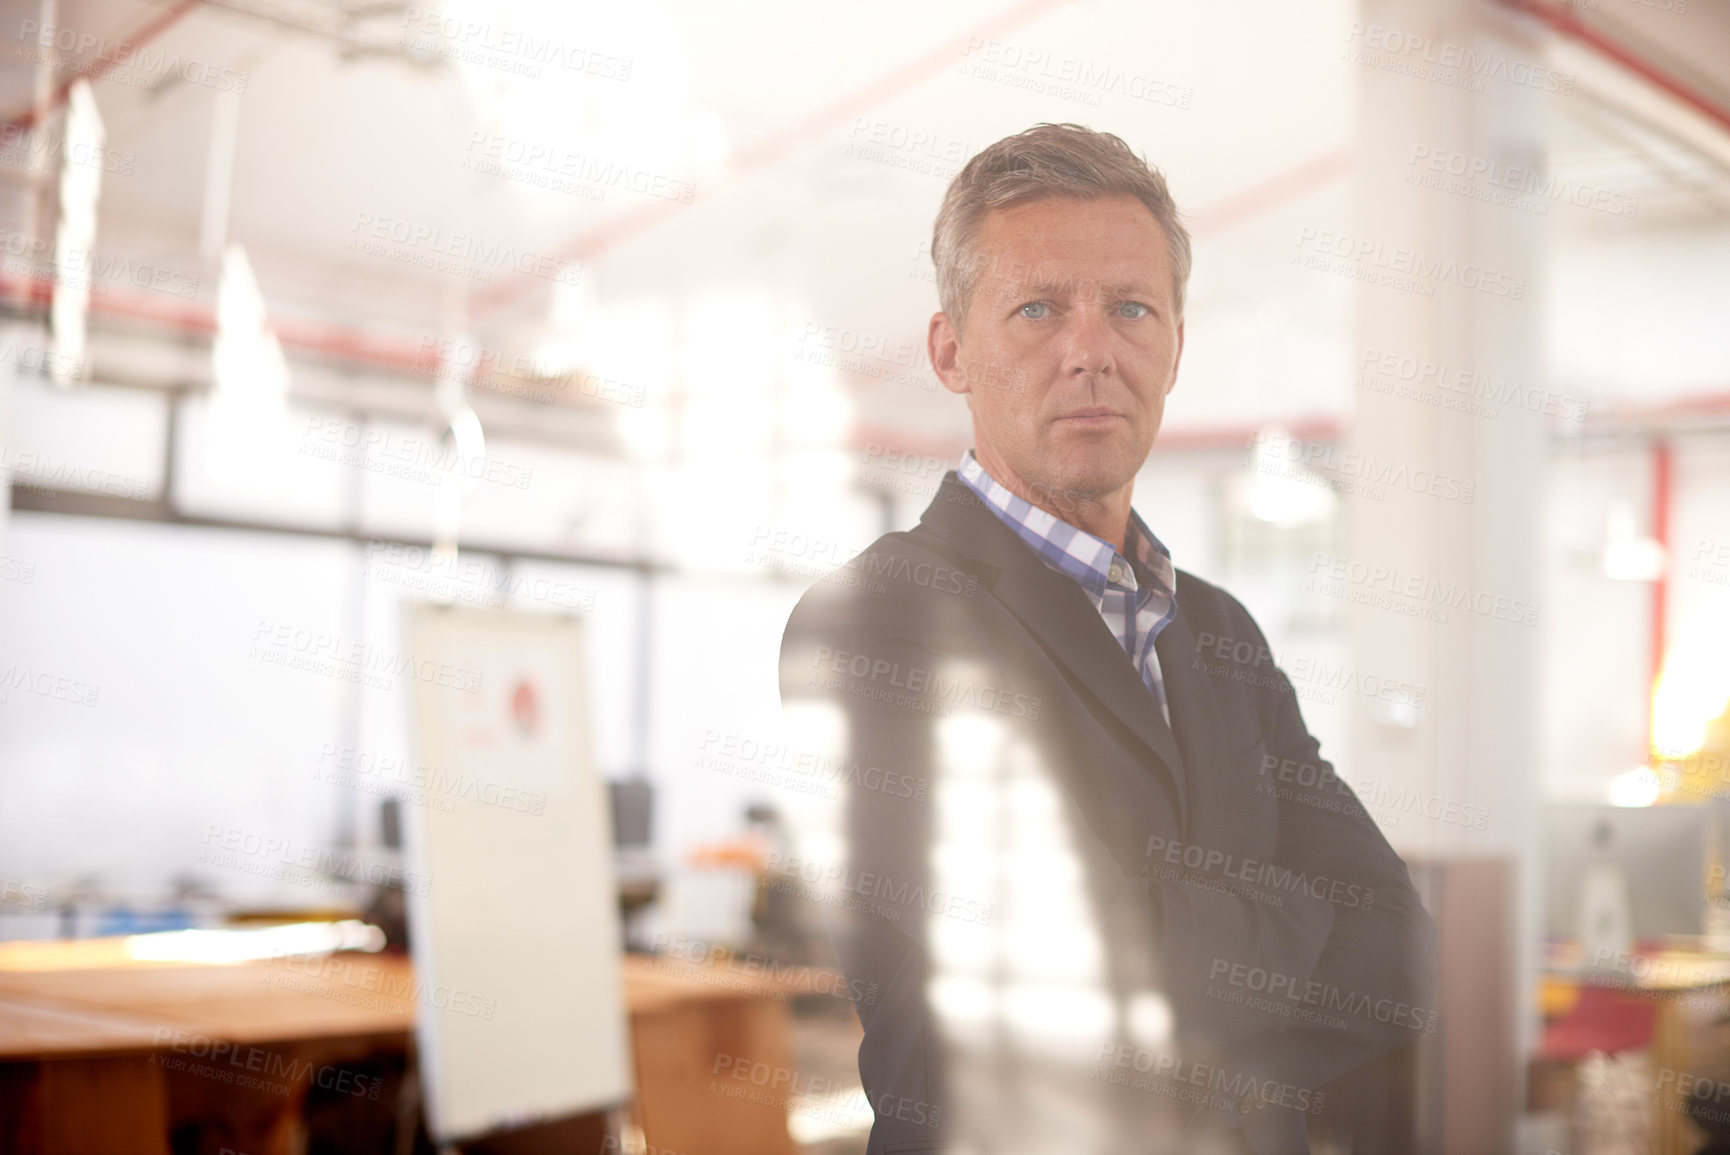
1190, 697
1060, 617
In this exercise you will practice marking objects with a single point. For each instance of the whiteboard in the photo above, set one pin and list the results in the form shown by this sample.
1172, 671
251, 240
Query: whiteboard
513, 917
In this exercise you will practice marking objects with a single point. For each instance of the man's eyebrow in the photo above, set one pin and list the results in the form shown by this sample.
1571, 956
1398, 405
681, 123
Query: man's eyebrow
1091, 287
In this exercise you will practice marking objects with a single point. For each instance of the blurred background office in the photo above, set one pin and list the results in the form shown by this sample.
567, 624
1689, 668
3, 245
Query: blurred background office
314, 310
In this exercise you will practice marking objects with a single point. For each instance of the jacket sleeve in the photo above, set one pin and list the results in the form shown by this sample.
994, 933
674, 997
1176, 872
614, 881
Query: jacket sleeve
859, 655
1373, 987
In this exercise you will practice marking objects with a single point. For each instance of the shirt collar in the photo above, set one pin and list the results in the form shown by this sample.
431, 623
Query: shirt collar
1070, 550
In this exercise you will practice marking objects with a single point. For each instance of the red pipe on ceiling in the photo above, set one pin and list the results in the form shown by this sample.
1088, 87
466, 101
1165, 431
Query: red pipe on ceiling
1662, 496
1562, 19
145, 34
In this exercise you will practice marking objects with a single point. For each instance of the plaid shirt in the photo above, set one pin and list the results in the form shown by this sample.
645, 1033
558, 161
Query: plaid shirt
1135, 600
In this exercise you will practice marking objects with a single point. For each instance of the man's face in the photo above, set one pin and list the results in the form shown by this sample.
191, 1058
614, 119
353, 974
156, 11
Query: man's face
1070, 346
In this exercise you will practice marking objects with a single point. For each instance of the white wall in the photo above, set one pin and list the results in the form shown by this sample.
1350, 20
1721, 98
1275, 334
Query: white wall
189, 726
170, 630
1596, 636
178, 712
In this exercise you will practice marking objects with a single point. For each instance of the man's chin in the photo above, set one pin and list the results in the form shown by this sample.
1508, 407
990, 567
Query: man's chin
1093, 459
1080, 488
1097, 474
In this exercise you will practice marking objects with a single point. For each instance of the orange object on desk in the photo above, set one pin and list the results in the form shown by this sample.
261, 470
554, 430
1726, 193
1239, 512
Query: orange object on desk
750, 854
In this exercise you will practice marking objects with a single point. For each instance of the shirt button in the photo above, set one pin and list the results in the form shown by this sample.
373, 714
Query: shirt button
1116, 573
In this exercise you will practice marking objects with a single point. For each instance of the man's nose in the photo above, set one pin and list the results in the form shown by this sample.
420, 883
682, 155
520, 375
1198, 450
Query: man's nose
1088, 344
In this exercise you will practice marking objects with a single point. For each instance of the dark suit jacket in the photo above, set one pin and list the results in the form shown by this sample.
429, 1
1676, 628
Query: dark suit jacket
1221, 864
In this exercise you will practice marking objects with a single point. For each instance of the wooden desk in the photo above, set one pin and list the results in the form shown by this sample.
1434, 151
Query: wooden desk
101, 1053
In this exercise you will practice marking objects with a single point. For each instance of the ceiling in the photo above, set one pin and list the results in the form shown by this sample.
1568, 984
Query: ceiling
791, 157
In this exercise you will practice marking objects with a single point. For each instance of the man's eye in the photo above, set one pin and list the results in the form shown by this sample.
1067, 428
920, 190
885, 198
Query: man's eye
1035, 310
1134, 310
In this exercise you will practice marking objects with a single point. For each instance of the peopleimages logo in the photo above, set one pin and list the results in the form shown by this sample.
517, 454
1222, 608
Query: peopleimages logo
836, 880
1281, 454
784, 1089
409, 456
717, 963
530, 161
264, 1064
42, 359
1208, 863
20, 147
349, 766
234, 847
1195, 1082
1319, 785
1367, 259
21, 255
314, 651
1416, 595
374, 987
918, 687
921, 150
1525, 187
1448, 62
865, 354
23, 894
1237, 655
128, 63
1460, 389
1066, 77
44, 684
744, 756
504, 47
431, 246
1324, 996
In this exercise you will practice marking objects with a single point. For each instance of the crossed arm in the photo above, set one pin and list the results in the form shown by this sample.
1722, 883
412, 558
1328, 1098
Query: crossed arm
1376, 958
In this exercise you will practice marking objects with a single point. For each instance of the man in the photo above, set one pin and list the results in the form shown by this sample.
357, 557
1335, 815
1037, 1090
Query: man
1124, 904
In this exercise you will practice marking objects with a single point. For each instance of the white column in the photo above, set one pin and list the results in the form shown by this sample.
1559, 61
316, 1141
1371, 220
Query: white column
1449, 277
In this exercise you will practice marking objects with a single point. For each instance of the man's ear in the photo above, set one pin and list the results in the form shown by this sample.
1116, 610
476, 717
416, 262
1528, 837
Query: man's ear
943, 346
1176, 360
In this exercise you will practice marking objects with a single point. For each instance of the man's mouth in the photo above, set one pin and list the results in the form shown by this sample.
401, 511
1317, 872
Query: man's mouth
1091, 417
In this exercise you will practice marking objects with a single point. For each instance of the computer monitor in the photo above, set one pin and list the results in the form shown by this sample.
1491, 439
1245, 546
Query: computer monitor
1662, 851
633, 805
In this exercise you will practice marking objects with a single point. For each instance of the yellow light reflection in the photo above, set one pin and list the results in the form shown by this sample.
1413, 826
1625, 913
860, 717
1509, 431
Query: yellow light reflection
1693, 689
237, 946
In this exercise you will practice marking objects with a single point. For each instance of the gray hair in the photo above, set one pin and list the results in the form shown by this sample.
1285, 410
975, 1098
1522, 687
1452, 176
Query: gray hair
1048, 160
